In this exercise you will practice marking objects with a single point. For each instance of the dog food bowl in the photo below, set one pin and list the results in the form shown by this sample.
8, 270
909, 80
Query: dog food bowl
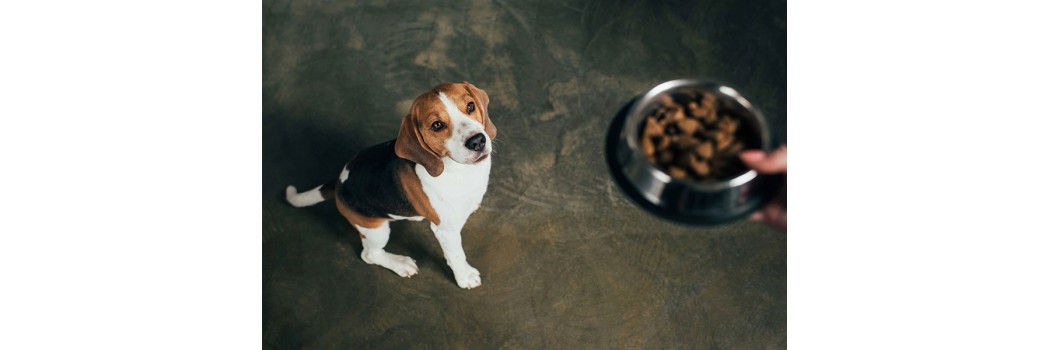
688, 201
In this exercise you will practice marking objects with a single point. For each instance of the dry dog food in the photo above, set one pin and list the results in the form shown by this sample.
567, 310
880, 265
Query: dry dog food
688, 137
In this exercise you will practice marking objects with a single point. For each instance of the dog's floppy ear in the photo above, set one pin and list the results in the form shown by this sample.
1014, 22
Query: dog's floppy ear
483, 101
409, 145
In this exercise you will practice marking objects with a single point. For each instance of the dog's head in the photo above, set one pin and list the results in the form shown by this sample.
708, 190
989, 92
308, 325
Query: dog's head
452, 121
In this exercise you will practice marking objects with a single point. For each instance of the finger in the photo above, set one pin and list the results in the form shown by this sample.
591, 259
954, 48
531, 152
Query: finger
758, 216
775, 216
775, 162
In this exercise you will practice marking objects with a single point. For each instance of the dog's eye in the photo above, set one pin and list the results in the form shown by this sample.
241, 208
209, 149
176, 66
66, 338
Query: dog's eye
437, 126
470, 107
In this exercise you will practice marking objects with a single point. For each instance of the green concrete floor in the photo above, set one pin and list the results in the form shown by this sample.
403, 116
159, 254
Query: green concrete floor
566, 260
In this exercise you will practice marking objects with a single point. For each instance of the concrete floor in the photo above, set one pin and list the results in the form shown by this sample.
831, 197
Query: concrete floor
566, 259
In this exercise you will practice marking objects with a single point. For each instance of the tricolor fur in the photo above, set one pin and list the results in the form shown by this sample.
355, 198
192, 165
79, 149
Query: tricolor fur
436, 169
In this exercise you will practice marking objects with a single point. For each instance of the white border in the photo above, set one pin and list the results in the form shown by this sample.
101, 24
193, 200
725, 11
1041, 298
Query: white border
918, 186
130, 142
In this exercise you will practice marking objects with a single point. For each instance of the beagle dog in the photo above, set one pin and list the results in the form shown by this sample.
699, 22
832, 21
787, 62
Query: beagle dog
437, 169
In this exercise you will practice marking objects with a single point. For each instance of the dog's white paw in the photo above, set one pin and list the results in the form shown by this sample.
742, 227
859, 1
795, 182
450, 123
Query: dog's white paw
401, 265
468, 277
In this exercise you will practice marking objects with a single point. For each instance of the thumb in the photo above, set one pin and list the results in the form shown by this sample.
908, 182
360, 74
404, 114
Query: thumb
775, 162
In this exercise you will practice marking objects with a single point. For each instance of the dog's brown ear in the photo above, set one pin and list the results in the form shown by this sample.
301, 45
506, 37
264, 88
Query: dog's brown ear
409, 145
483, 100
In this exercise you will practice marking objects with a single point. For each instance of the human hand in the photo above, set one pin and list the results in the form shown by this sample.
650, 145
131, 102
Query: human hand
773, 214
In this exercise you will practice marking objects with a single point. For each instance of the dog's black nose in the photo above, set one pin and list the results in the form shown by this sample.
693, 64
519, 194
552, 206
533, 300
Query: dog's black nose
476, 142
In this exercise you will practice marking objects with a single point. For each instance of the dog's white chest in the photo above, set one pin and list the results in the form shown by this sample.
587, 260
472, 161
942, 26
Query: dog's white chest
458, 191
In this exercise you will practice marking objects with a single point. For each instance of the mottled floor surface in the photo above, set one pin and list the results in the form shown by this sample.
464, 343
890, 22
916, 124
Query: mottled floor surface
566, 260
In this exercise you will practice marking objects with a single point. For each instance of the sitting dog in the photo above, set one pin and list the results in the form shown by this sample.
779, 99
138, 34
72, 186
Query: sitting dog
437, 169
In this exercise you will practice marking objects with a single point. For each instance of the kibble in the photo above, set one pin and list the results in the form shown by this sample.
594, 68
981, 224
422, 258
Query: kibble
693, 139
677, 172
689, 126
706, 150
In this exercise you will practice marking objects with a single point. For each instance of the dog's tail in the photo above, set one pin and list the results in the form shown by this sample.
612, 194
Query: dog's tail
317, 195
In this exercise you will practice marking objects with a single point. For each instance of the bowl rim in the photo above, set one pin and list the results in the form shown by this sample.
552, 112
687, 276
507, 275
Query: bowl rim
633, 118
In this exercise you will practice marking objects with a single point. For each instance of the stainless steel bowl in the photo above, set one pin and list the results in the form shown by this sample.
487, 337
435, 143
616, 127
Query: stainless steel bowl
708, 202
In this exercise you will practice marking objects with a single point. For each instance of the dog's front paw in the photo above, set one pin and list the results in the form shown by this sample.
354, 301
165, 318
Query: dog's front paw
468, 277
